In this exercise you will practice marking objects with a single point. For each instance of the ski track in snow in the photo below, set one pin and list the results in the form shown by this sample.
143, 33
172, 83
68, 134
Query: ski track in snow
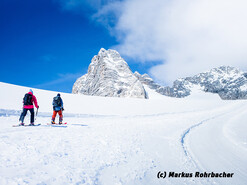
191, 161
8, 112
187, 131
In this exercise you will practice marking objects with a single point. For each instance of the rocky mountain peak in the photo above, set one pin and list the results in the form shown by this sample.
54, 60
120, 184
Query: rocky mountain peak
109, 75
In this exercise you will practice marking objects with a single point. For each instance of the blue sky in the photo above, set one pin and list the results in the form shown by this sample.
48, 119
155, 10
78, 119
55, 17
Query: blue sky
47, 47
48, 44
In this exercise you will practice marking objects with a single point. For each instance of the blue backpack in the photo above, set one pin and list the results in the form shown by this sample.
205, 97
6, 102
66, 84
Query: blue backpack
57, 101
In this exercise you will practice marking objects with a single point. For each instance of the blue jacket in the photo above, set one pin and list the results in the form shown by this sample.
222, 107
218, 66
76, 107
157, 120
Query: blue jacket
56, 107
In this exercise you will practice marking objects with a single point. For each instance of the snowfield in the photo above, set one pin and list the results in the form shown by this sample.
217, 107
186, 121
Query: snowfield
123, 140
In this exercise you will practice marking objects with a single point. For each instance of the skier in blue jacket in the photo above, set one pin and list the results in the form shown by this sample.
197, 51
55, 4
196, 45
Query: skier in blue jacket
57, 108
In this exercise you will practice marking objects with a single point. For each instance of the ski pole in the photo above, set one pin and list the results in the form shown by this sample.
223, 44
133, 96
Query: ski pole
21, 113
36, 114
37, 111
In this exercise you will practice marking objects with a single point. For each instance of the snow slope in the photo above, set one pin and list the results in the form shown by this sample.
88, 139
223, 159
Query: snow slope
123, 140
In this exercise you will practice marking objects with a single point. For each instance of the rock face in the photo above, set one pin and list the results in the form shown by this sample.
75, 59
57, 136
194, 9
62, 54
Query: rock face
177, 90
147, 80
109, 75
229, 82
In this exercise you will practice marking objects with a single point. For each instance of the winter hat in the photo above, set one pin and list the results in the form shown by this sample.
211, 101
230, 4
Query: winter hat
58, 94
31, 91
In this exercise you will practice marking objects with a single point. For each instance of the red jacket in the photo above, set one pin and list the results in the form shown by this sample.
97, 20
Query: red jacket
34, 100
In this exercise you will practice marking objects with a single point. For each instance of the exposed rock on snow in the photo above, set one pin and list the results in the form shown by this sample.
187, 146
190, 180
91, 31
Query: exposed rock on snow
228, 82
176, 91
109, 75
147, 80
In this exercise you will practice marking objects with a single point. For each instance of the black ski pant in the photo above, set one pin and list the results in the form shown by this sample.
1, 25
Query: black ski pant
24, 113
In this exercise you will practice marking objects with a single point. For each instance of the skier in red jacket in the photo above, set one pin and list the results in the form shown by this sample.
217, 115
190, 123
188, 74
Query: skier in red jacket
28, 101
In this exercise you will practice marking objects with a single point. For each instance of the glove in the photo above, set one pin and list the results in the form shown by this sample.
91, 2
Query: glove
37, 107
62, 109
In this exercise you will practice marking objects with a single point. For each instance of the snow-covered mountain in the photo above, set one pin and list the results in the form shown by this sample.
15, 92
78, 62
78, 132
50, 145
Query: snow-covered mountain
228, 82
109, 75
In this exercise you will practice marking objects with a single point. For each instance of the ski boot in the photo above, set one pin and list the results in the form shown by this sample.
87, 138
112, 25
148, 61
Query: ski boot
53, 121
21, 124
60, 120
31, 124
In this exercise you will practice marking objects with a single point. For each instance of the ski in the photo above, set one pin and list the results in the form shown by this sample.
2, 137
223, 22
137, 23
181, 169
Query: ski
27, 125
57, 124
64, 125
32, 125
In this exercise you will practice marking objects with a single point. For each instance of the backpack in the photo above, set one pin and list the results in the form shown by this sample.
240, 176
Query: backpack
57, 101
27, 100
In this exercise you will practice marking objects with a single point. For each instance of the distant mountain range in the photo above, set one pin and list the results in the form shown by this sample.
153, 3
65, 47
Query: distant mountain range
109, 75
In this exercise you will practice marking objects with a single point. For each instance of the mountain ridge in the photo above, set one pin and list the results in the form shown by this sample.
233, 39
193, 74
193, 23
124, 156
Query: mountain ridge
228, 82
109, 75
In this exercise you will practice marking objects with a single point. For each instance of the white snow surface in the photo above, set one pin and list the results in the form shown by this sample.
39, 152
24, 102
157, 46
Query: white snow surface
123, 140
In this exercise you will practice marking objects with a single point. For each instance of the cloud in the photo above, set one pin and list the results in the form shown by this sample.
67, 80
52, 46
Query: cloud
187, 36
105, 12
108, 15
